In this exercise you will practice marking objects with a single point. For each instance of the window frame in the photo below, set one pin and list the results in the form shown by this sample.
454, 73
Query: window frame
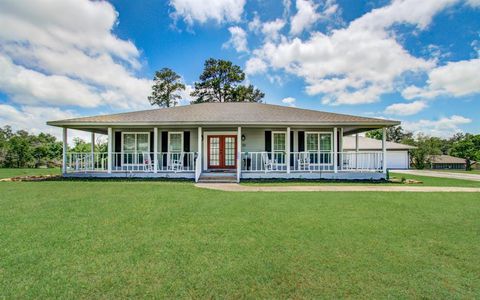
136, 150
169, 141
319, 133
284, 151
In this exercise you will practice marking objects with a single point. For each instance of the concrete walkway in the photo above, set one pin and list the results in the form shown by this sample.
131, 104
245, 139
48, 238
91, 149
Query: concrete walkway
441, 174
233, 187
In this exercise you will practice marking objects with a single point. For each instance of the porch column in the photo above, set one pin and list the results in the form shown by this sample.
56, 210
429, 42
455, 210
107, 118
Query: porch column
287, 141
357, 147
384, 150
155, 149
92, 149
110, 147
335, 151
340, 142
239, 153
200, 154
64, 157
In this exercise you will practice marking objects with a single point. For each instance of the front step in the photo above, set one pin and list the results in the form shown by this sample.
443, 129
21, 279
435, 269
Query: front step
218, 178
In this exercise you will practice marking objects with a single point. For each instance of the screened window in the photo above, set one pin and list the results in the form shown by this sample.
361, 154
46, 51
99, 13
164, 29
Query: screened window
175, 142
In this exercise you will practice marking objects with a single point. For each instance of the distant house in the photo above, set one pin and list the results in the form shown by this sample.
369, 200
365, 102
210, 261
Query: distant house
448, 162
231, 141
398, 155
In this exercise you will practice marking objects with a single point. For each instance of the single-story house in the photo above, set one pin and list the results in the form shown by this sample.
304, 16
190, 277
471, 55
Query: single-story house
398, 155
230, 140
448, 162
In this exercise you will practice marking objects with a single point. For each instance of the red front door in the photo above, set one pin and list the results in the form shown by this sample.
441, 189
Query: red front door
222, 151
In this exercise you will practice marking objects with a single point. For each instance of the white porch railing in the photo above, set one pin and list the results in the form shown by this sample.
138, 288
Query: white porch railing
131, 162
322, 161
87, 162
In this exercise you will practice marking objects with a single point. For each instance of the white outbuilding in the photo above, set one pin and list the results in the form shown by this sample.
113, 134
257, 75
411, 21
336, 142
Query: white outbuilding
398, 156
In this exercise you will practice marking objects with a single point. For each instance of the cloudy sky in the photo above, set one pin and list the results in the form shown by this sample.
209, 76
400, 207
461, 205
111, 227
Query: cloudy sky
414, 61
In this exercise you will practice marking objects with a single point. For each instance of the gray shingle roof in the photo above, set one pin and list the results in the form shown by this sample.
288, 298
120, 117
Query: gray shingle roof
225, 113
371, 144
447, 159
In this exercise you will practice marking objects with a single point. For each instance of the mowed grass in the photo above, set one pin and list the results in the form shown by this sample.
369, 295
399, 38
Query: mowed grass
459, 171
426, 181
80, 239
7, 172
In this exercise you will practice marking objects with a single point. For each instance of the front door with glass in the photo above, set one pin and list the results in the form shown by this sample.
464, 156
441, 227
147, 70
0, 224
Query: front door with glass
222, 151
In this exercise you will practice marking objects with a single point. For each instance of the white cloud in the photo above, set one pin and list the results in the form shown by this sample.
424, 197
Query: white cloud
29, 86
185, 94
405, 109
238, 39
271, 30
33, 119
356, 64
290, 101
474, 3
255, 65
455, 78
305, 17
215, 10
443, 127
255, 24
73, 40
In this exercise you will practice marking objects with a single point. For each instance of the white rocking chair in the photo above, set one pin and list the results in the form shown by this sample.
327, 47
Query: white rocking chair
147, 162
176, 161
268, 163
304, 161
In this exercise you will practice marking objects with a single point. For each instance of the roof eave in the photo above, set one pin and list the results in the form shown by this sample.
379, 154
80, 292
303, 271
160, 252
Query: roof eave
63, 123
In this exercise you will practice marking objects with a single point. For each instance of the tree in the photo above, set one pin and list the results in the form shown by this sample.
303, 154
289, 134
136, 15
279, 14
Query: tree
247, 94
394, 134
467, 148
166, 88
221, 82
421, 157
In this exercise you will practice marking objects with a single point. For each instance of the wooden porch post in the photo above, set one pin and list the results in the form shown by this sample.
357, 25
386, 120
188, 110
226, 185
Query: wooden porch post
239, 153
64, 157
384, 150
335, 151
155, 149
110, 147
287, 141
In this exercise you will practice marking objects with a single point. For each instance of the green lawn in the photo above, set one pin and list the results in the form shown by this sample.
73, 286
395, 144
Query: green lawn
460, 171
6, 173
80, 239
426, 181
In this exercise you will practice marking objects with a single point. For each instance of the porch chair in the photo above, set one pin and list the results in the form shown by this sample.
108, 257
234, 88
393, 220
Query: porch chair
268, 163
304, 161
147, 162
176, 161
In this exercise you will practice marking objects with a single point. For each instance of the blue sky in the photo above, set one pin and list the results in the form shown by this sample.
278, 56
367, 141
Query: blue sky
414, 61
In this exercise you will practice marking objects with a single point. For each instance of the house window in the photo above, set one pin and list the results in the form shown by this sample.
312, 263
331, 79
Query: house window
134, 145
278, 148
319, 145
175, 142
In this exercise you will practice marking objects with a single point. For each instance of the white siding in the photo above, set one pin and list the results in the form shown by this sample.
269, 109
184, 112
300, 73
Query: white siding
397, 159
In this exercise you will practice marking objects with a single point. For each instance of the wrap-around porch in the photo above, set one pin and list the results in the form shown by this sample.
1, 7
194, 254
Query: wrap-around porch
245, 152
